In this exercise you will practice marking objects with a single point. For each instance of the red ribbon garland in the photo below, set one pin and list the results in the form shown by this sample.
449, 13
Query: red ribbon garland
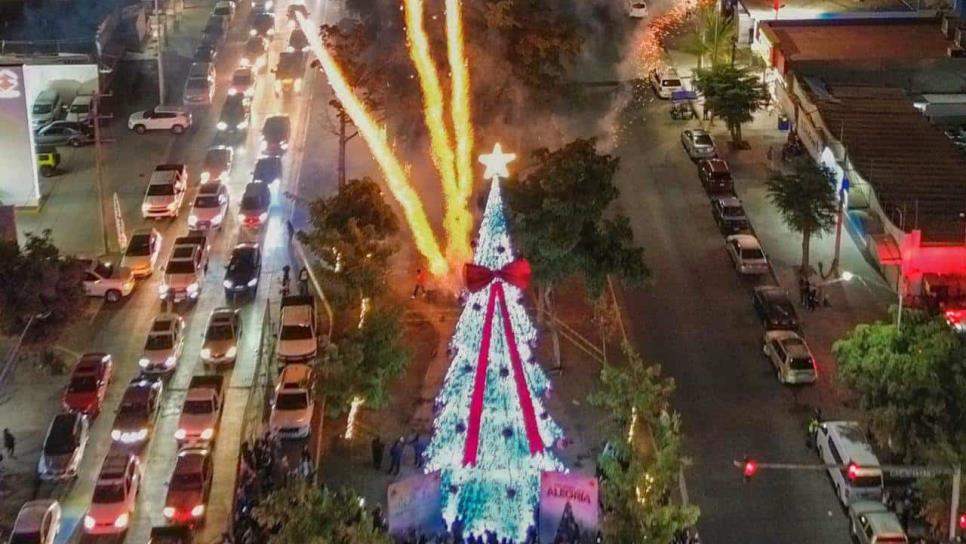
477, 278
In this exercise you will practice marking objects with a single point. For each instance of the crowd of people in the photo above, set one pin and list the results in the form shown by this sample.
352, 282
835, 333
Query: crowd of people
263, 468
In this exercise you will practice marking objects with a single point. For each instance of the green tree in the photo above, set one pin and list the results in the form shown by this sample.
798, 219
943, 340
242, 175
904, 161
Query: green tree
307, 514
806, 200
37, 279
731, 93
712, 36
910, 384
558, 216
364, 360
640, 466
354, 233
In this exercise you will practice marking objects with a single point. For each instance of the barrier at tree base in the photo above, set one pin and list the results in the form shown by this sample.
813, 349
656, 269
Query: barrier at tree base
414, 505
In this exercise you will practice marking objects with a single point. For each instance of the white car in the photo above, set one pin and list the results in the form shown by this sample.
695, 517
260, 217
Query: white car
790, 356
115, 495
103, 279
165, 191
636, 9
293, 403
164, 344
665, 82
37, 523
871, 522
183, 275
172, 118
297, 334
210, 206
698, 144
64, 447
142, 251
746, 254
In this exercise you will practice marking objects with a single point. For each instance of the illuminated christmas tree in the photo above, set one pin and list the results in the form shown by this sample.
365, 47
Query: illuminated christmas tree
492, 432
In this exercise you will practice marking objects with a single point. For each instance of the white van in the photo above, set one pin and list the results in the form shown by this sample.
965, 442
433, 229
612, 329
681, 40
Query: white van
80, 109
46, 107
843, 443
665, 82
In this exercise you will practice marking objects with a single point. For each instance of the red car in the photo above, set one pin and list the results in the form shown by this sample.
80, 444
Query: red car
88, 384
189, 487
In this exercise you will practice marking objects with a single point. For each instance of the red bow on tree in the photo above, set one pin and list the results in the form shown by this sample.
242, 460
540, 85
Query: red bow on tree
477, 277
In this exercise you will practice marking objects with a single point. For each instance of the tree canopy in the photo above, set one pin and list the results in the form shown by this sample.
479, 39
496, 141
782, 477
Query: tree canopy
36, 279
806, 200
711, 36
732, 93
307, 514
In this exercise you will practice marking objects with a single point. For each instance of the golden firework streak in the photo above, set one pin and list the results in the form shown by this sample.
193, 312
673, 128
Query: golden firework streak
456, 220
375, 137
460, 110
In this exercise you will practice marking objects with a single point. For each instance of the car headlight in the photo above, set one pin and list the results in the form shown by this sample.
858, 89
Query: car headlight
172, 205
298, 84
228, 284
163, 288
278, 85
180, 434
170, 361
252, 32
277, 180
232, 92
121, 521
192, 220
231, 351
216, 220
168, 512
221, 124
205, 176
145, 207
241, 218
263, 217
192, 287
253, 282
198, 510
207, 433
143, 362
89, 522
141, 435
116, 434
241, 126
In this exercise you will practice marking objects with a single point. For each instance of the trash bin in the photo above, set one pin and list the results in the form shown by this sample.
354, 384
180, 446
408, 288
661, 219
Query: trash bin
783, 122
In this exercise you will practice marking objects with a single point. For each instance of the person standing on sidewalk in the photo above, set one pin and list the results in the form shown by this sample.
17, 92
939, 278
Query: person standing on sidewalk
377, 448
395, 455
304, 281
418, 448
9, 443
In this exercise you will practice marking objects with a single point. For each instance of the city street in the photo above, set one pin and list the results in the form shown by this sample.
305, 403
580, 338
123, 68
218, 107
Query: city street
121, 329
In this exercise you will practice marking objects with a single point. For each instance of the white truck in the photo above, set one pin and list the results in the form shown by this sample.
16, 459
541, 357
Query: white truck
201, 412
298, 338
103, 279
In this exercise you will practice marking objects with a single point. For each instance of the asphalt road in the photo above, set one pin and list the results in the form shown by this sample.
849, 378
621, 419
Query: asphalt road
697, 322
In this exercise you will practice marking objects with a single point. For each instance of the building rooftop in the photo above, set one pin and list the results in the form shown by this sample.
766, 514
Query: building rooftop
853, 39
908, 161
812, 9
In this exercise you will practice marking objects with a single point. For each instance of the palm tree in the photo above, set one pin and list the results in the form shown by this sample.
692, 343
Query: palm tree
806, 200
306, 514
731, 93
712, 35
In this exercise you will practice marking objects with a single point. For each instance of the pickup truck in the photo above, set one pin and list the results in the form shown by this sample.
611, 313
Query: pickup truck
201, 412
103, 279
184, 274
298, 339
196, 238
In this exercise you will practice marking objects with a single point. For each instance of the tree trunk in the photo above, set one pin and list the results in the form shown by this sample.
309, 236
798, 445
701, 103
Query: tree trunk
552, 325
806, 240
738, 133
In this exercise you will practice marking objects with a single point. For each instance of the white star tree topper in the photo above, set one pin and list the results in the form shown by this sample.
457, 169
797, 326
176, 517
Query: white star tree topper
496, 162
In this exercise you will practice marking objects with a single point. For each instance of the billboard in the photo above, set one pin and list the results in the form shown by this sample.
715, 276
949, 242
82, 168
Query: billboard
31, 96
568, 508
415, 504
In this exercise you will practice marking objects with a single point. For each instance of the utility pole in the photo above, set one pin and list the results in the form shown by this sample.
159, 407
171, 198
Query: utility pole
750, 467
158, 54
344, 122
98, 171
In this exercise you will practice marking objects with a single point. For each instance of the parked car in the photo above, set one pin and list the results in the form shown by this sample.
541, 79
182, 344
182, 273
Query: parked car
254, 53
164, 345
715, 176
275, 135
220, 346
142, 251
243, 81
88, 383
205, 52
636, 9
254, 206
138, 412
38, 522
293, 403
64, 447
774, 308
244, 268
235, 114
115, 495
81, 109
198, 91
298, 338
790, 357
698, 144
201, 411
217, 164
46, 108
210, 206
665, 82
729, 214
103, 279
746, 254
844, 443
870, 522
63, 133
189, 487
267, 170
172, 118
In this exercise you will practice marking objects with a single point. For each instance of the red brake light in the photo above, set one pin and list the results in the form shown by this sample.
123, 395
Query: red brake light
853, 471
751, 467
962, 521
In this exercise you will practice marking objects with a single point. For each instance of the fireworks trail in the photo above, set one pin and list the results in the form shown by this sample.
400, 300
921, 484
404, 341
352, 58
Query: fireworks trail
375, 136
460, 110
650, 52
456, 219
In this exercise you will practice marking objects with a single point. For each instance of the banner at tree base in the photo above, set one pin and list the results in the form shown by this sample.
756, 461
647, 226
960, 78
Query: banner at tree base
414, 505
569, 508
